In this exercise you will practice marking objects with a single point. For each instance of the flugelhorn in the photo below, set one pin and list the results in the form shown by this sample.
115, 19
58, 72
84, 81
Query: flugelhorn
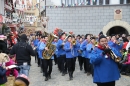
114, 56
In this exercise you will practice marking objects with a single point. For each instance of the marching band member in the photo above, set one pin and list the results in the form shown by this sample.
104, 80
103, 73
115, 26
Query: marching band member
89, 49
35, 42
83, 48
80, 58
106, 71
114, 43
70, 48
62, 54
55, 55
41, 44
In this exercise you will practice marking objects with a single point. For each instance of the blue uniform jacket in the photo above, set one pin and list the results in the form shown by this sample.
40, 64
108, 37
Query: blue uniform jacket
35, 42
111, 44
105, 69
41, 48
61, 51
3, 78
38, 45
83, 47
70, 53
78, 47
88, 50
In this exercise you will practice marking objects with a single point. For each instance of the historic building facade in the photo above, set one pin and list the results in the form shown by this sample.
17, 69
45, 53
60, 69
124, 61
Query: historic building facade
90, 17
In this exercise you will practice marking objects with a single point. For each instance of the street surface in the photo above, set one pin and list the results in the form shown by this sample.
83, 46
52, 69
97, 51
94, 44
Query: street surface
80, 78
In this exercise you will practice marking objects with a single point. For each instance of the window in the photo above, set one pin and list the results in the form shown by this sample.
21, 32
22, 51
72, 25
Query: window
107, 1
121, 1
100, 2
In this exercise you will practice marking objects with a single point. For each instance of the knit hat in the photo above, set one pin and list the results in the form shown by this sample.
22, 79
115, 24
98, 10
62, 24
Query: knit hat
102, 36
21, 80
101, 33
23, 37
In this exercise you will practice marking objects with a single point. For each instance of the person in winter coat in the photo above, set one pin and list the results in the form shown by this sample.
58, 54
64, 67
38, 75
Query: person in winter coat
23, 53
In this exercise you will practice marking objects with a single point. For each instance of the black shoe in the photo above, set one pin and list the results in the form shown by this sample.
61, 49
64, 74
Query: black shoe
49, 77
88, 74
71, 78
123, 73
38, 65
46, 79
85, 72
81, 68
63, 74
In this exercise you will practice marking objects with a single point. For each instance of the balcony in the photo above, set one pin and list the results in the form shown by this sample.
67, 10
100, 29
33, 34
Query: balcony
27, 24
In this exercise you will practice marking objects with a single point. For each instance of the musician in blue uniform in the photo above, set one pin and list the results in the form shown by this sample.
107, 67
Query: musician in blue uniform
47, 63
35, 42
55, 54
71, 52
62, 54
83, 48
80, 58
89, 49
115, 43
106, 71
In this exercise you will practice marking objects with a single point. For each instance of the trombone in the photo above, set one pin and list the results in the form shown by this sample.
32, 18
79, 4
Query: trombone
114, 56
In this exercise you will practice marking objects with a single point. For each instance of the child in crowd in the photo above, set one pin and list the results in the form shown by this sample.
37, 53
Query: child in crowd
12, 71
126, 64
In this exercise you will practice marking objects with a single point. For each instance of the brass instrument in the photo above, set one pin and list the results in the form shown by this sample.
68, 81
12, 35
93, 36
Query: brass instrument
47, 54
114, 56
73, 42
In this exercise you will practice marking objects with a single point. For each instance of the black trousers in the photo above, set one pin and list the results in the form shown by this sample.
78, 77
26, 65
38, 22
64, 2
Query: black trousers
80, 58
87, 65
42, 65
71, 64
55, 59
58, 63
35, 56
47, 67
106, 84
62, 63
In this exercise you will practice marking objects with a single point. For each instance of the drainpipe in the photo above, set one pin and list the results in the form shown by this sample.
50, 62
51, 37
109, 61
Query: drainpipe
104, 2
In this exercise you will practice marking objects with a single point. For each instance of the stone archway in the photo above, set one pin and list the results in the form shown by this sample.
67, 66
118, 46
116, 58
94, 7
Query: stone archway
116, 23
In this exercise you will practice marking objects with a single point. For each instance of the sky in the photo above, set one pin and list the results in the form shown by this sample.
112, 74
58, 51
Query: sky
56, 2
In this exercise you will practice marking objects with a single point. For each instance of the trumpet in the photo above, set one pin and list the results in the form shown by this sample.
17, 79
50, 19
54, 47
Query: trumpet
114, 56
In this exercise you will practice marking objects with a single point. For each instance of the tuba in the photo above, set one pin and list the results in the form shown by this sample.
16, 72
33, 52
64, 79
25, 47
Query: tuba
47, 54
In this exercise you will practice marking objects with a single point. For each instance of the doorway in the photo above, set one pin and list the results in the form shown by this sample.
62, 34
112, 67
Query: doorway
117, 30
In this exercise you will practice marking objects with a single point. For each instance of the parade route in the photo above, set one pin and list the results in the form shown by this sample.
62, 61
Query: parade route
80, 78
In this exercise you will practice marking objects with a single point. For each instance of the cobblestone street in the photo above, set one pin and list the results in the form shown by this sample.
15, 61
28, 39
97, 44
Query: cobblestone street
80, 78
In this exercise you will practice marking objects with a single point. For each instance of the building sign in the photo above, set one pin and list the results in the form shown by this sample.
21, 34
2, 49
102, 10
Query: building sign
1, 19
117, 14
